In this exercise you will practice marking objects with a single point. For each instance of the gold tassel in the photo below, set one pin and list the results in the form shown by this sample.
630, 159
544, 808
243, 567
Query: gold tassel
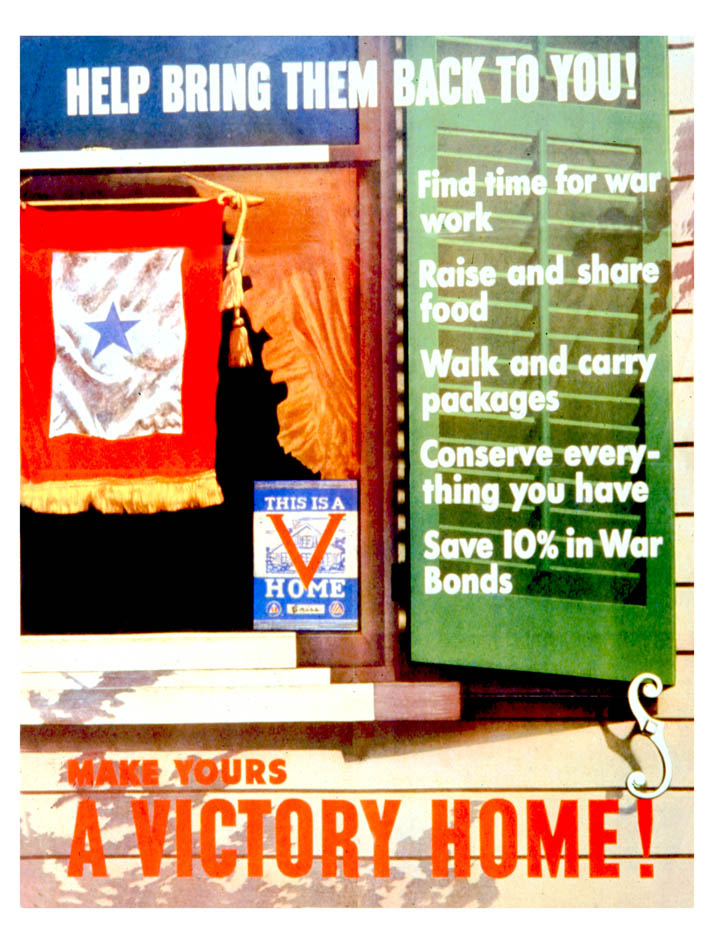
239, 353
232, 290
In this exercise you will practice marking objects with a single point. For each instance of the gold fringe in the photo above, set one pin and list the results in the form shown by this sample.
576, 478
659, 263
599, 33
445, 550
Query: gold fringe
114, 496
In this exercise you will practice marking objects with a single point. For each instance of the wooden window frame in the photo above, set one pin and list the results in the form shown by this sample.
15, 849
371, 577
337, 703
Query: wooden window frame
373, 156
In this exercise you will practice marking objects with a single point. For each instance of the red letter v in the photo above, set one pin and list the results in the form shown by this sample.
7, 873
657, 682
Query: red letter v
306, 571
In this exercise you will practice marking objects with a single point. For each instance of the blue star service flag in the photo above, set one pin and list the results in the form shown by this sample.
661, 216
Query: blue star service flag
120, 336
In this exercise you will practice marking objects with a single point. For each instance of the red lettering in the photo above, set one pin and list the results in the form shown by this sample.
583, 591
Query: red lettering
205, 772
150, 835
303, 863
81, 775
278, 774
509, 834
184, 769
150, 773
306, 570
381, 828
254, 770
600, 837
332, 837
128, 776
230, 770
106, 774
86, 826
184, 839
564, 837
442, 836
254, 810
217, 866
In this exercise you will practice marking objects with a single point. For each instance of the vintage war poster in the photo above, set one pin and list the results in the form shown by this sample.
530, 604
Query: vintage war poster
357, 458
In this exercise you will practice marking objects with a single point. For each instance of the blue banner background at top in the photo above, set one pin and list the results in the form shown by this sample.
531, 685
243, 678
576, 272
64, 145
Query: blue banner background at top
45, 124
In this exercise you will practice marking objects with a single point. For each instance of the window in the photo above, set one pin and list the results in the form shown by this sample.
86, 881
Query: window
192, 569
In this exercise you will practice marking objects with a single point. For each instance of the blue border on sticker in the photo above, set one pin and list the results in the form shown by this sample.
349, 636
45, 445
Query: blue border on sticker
331, 600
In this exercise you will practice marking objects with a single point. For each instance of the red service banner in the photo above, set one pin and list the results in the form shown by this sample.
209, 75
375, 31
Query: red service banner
119, 343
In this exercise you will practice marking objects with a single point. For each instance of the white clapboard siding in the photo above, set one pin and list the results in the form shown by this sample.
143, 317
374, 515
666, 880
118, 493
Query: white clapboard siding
685, 618
677, 702
683, 345
683, 411
684, 550
683, 223
681, 76
682, 279
45, 882
684, 479
539, 755
681, 127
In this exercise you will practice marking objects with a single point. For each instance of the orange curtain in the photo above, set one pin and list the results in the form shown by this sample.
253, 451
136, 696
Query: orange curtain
301, 253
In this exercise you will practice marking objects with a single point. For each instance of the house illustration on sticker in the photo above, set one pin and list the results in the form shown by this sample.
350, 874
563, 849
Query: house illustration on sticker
305, 536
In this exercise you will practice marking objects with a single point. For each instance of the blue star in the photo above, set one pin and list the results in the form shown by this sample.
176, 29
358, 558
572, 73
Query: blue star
111, 331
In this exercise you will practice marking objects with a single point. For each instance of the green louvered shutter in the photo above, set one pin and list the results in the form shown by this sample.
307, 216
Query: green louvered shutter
593, 616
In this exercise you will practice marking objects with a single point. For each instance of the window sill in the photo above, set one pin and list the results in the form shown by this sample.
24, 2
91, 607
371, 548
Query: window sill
205, 678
